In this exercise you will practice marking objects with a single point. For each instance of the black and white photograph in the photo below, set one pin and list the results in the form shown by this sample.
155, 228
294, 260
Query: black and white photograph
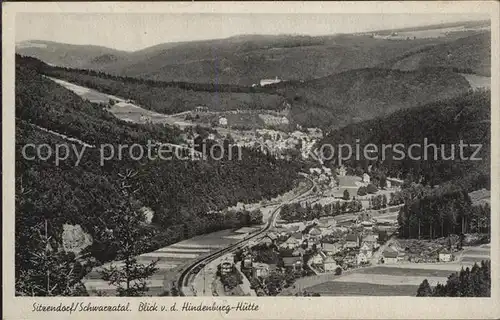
258, 155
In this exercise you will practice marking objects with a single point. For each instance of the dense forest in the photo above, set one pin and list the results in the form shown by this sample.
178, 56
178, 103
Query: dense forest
297, 212
167, 97
363, 94
438, 212
186, 197
473, 282
465, 118
42, 102
328, 102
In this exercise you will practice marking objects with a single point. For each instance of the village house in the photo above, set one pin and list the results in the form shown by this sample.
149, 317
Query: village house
282, 235
317, 259
223, 121
361, 258
327, 223
292, 228
246, 262
294, 241
366, 250
395, 182
260, 269
299, 252
315, 171
314, 234
273, 236
367, 225
382, 237
371, 240
342, 171
251, 243
352, 240
390, 256
310, 244
201, 108
292, 262
267, 241
144, 118
445, 255
366, 178
329, 264
327, 171
266, 82
226, 266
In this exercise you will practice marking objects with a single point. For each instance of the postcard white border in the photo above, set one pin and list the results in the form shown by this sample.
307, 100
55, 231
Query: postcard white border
275, 307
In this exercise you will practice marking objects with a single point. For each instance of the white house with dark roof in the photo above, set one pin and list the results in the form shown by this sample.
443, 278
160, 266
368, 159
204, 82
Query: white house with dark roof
352, 240
314, 234
390, 256
329, 264
266, 82
361, 258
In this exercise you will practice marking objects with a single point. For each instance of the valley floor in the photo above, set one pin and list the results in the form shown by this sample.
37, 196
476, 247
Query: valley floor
400, 279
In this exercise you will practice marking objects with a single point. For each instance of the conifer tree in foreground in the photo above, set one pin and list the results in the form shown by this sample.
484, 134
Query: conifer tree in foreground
475, 282
130, 279
424, 290
43, 268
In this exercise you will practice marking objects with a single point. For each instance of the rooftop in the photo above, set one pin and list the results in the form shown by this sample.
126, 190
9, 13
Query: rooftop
390, 253
352, 237
290, 261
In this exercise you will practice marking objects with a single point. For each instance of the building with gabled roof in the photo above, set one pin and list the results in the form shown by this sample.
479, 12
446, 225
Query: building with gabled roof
352, 240
329, 264
292, 262
291, 243
390, 255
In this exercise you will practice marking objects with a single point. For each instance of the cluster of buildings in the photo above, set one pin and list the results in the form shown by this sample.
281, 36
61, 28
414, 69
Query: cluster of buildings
277, 143
334, 245
266, 82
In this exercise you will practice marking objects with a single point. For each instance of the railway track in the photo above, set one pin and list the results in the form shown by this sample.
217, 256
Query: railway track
191, 271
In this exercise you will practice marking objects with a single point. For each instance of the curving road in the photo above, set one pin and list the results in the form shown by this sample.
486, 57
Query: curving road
184, 280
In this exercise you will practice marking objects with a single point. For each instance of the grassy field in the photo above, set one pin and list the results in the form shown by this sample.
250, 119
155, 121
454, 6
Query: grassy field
335, 288
391, 280
171, 261
405, 272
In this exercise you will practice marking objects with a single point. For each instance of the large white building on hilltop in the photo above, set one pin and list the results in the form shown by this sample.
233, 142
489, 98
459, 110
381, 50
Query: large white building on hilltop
266, 82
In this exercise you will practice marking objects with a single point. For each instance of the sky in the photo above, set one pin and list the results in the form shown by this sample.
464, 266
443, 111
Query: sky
125, 31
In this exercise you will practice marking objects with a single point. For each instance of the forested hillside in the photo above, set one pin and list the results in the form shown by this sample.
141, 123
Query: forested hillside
469, 282
42, 102
173, 97
471, 54
180, 193
63, 54
246, 59
363, 94
329, 102
465, 118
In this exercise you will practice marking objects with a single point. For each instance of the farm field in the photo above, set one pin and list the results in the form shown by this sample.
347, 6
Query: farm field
395, 279
121, 109
477, 82
171, 260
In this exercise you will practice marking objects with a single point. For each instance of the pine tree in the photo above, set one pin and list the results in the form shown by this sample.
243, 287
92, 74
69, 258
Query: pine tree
346, 195
424, 290
51, 271
475, 282
131, 278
